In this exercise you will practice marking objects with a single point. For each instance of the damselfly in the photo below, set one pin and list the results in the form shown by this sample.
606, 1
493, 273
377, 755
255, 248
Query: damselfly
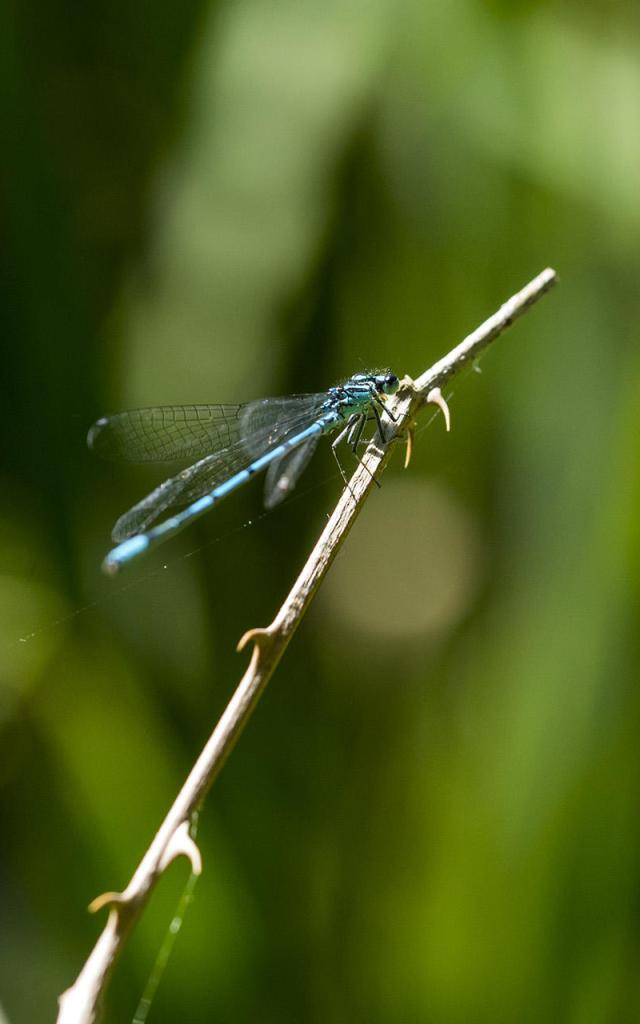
230, 444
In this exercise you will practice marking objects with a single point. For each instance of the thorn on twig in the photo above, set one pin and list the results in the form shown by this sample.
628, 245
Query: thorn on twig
435, 397
258, 636
107, 899
182, 844
409, 450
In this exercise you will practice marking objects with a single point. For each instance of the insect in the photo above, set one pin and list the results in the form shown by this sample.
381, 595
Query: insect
229, 443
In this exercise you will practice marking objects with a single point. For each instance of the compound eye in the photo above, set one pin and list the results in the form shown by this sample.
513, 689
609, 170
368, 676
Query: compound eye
390, 384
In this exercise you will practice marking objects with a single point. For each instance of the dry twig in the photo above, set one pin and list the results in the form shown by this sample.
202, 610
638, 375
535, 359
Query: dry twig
81, 1003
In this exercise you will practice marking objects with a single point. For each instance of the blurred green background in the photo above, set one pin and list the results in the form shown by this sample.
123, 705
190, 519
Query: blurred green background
434, 815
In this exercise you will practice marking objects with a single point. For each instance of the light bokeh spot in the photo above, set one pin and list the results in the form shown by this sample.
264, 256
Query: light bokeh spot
411, 568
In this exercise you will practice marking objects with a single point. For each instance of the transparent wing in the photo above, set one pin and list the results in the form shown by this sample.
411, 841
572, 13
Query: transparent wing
180, 490
146, 512
166, 432
270, 421
283, 474
270, 426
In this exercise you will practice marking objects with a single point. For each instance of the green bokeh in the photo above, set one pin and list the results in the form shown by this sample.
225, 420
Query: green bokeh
433, 816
